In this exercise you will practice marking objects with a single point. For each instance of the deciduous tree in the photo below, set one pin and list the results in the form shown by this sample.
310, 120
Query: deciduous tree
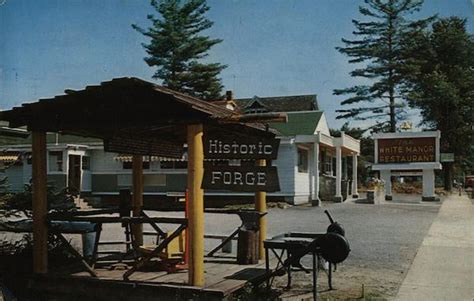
442, 86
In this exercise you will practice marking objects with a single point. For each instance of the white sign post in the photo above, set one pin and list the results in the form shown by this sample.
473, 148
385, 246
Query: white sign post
408, 151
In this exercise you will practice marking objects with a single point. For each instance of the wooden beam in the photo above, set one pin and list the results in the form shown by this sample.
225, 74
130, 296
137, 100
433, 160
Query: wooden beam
40, 230
118, 219
261, 206
137, 201
196, 204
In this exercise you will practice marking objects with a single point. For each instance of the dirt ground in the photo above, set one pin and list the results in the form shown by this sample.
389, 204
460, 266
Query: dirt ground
349, 283
384, 240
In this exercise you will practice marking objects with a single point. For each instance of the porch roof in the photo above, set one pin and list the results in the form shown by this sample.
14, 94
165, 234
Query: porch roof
131, 115
299, 123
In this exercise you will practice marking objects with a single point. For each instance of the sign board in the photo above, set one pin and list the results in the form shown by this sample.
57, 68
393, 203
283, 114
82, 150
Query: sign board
240, 178
408, 153
446, 157
236, 147
406, 150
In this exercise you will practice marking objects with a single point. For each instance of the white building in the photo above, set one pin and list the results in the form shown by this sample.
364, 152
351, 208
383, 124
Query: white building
312, 165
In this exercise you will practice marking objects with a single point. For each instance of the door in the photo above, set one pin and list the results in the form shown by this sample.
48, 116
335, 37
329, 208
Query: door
86, 174
74, 172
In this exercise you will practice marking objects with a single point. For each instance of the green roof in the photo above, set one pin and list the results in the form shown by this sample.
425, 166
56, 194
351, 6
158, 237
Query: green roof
299, 123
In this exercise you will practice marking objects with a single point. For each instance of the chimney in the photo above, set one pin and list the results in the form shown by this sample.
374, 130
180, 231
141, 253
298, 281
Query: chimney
228, 95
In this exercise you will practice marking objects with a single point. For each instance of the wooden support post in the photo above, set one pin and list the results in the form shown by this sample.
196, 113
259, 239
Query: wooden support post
196, 205
40, 206
261, 206
137, 203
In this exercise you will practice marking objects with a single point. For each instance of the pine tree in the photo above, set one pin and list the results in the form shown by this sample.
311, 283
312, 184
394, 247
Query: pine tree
177, 49
378, 51
442, 86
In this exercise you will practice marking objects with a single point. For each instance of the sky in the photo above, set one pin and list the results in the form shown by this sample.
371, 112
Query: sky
271, 47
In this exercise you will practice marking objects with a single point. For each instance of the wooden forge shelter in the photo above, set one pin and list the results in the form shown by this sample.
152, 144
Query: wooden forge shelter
139, 118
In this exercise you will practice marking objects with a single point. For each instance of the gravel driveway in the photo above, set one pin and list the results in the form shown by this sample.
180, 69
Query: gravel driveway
384, 239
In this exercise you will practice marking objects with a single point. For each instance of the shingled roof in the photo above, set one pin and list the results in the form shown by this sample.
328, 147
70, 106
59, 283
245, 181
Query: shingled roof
279, 103
129, 114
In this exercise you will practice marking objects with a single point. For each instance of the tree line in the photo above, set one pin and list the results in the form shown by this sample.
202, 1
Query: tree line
425, 64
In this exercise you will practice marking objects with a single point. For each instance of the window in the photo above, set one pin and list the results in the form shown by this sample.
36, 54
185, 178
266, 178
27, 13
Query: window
181, 164
235, 162
166, 164
56, 161
255, 110
129, 165
231, 162
302, 160
86, 163
124, 180
173, 164
247, 163
154, 180
255, 106
326, 163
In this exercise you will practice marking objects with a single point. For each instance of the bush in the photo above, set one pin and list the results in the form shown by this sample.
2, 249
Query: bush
21, 203
16, 262
16, 256
409, 187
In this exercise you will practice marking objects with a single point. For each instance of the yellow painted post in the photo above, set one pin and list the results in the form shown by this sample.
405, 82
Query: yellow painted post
196, 205
137, 202
39, 206
261, 206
